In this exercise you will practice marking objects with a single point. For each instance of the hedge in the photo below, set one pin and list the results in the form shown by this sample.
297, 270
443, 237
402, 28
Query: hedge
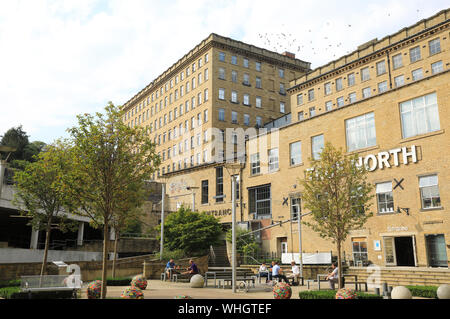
10, 283
331, 294
124, 281
423, 291
8, 292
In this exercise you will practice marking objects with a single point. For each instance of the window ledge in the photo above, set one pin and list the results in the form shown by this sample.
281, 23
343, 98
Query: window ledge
431, 209
417, 137
387, 213
296, 165
366, 149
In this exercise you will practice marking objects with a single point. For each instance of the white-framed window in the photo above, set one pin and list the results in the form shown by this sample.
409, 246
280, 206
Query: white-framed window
259, 121
258, 102
434, 46
417, 74
399, 80
352, 97
205, 116
246, 119
419, 115
221, 56
429, 192
246, 79
299, 99
206, 57
365, 74
360, 132
300, 116
340, 101
273, 160
222, 73
221, 115
234, 98
258, 66
381, 67
312, 111
327, 88
199, 98
234, 76
206, 74
205, 93
233, 59
255, 164
258, 83
234, 117
382, 87
366, 92
245, 63
282, 107
295, 207
437, 67
311, 95
328, 105
414, 54
385, 198
351, 79
317, 144
282, 89
339, 85
397, 61
295, 150
281, 73
246, 99
221, 94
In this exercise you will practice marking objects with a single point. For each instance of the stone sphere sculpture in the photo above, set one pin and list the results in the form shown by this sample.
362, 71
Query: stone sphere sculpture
139, 281
132, 292
401, 292
443, 292
282, 290
346, 293
197, 281
94, 289
182, 297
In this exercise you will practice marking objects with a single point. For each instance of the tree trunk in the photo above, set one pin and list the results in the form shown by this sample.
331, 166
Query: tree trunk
47, 241
105, 259
116, 240
340, 283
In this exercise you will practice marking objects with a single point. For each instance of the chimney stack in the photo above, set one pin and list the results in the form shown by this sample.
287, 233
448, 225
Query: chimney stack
289, 54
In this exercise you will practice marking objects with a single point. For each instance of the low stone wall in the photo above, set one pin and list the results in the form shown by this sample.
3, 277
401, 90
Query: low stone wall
12, 271
153, 269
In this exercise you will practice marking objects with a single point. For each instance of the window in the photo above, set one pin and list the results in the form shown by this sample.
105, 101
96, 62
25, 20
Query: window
295, 208
258, 83
205, 93
340, 101
437, 67
182, 76
311, 95
339, 85
385, 198
351, 79
360, 132
281, 73
434, 46
429, 192
221, 94
312, 111
419, 115
282, 107
327, 88
246, 99
299, 99
246, 119
300, 116
352, 97
199, 98
233, 59
397, 61
259, 121
193, 83
414, 54
222, 56
246, 79
295, 153
399, 80
222, 73
258, 101
206, 74
205, 116
273, 160
234, 97
206, 57
360, 250
317, 143
258, 66
219, 184
365, 75
221, 115
234, 117
382, 87
234, 76
381, 67
282, 89
328, 105
366, 93
245, 63
417, 74
259, 202
255, 164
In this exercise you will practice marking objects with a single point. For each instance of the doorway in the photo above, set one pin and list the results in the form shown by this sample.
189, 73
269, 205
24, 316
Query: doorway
404, 251
436, 250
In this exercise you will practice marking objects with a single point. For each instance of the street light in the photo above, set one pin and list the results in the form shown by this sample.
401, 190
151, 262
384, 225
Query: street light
299, 217
193, 195
163, 195
233, 169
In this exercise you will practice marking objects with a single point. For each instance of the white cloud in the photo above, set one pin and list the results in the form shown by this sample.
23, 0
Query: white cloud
59, 58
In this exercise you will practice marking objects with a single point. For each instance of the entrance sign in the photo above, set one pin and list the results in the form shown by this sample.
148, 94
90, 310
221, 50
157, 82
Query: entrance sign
381, 160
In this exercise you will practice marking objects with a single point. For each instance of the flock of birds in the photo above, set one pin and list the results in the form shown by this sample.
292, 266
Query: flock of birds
280, 42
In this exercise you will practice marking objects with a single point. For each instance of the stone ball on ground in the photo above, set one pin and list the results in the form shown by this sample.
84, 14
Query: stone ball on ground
346, 293
443, 292
139, 281
282, 290
401, 292
132, 292
197, 281
94, 289
182, 297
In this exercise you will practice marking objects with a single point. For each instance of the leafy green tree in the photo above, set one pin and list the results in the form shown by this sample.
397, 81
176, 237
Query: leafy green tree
337, 193
190, 231
25, 152
245, 241
40, 192
110, 164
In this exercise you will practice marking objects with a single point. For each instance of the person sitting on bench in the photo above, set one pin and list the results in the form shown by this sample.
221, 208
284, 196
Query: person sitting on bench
295, 273
333, 276
277, 272
170, 268
192, 269
263, 272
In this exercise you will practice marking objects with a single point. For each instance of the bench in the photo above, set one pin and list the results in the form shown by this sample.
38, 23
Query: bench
357, 283
51, 283
226, 281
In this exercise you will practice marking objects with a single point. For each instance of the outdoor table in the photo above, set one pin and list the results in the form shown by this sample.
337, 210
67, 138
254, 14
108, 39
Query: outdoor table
318, 279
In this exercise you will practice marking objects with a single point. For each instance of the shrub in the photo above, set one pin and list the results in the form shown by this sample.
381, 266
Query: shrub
123, 281
10, 283
331, 294
423, 291
7, 292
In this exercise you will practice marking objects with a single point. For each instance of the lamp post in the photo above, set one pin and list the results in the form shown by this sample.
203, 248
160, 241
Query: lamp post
233, 169
299, 218
193, 195
163, 195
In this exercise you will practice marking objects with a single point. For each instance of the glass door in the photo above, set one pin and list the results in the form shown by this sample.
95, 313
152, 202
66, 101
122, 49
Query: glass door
437, 251
389, 251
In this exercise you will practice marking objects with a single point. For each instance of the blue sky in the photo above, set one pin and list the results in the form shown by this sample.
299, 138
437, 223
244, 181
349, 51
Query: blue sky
66, 57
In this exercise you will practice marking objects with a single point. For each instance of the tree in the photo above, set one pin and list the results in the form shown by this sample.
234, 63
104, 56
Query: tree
41, 193
245, 242
190, 231
25, 152
338, 195
110, 164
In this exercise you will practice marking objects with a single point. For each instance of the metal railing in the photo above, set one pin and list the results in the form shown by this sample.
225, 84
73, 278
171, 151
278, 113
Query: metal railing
50, 282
